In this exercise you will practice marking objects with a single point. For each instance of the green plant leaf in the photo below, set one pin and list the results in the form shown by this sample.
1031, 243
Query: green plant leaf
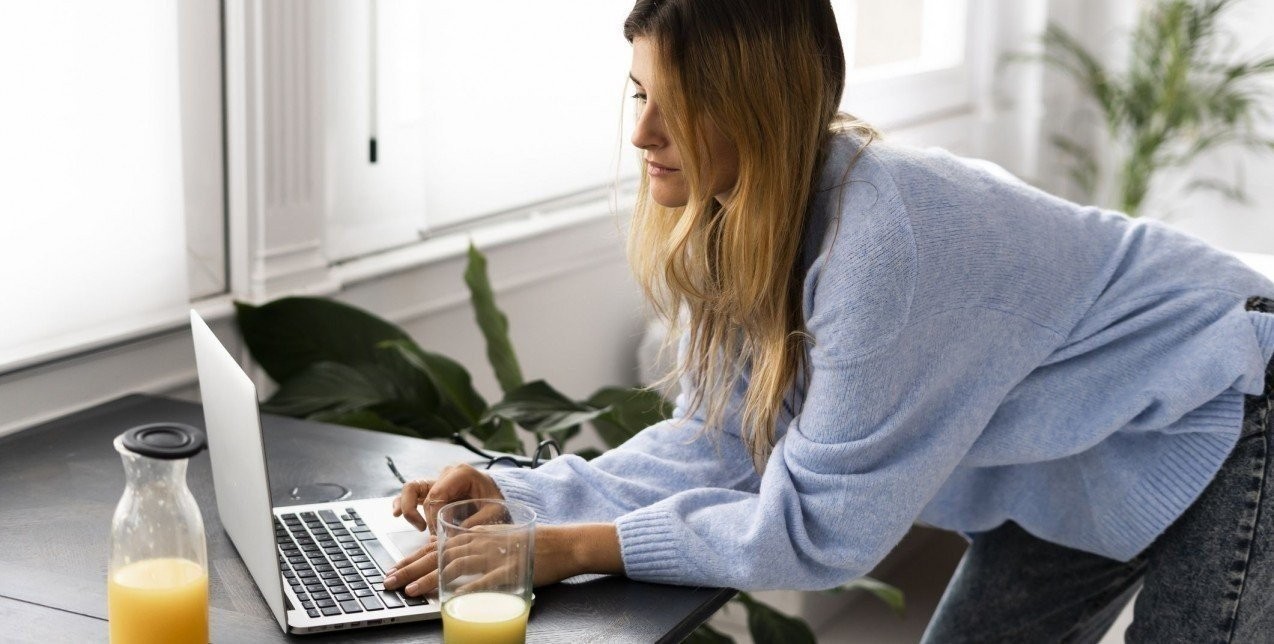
327, 386
589, 453
768, 625
631, 410
891, 595
290, 334
365, 419
502, 437
492, 322
447, 376
542, 409
707, 635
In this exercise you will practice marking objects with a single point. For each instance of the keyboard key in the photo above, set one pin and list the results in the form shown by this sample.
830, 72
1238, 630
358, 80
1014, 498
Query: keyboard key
353, 578
375, 579
360, 558
371, 603
307, 604
305, 574
328, 516
323, 568
365, 536
352, 607
381, 555
364, 592
413, 601
367, 565
315, 588
320, 595
325, 603
312, 612
331, 611
343, 597
391, 599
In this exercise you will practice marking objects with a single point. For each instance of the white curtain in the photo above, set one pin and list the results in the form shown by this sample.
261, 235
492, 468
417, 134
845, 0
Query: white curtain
91, 205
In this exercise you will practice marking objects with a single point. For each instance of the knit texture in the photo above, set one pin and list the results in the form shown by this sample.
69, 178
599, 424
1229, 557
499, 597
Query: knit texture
982, 352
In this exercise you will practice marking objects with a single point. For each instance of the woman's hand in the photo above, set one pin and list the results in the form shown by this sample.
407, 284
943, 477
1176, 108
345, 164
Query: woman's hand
561, 551
455, 483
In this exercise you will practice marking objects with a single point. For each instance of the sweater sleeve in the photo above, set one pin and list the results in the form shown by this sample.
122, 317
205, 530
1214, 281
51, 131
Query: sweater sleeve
661, 460
896, 397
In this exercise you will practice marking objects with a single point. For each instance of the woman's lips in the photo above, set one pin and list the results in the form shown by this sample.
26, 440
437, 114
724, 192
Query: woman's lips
656, 170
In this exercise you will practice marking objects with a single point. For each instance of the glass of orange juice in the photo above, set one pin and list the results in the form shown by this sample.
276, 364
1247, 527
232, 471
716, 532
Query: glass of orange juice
486, 548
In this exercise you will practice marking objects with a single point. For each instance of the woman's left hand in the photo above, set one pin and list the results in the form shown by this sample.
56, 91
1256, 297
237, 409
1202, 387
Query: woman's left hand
561, 551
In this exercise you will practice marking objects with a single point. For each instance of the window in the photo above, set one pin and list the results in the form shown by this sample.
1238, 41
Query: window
477, 108
906, 58
93, 241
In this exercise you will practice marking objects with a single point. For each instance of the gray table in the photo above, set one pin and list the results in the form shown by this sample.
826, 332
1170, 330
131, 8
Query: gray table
60, 481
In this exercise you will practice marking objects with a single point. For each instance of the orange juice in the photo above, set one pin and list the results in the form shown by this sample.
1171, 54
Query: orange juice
159, 600
489, 618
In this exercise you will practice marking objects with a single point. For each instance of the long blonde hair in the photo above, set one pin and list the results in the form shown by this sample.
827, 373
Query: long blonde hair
769, 74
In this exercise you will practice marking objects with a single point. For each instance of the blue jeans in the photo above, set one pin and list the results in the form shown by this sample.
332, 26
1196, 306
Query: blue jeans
1208, 578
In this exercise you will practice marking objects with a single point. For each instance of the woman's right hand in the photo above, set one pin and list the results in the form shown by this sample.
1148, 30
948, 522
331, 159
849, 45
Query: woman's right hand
455, 483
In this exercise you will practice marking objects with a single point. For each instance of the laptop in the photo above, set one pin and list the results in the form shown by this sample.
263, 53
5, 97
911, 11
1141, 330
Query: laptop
319, 566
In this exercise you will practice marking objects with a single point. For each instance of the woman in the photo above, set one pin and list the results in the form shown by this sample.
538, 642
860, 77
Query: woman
876, 336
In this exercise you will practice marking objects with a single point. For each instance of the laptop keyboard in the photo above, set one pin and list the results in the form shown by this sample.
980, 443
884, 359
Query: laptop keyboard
334, 564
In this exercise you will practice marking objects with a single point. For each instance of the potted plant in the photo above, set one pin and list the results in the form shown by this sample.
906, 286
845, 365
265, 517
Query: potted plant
1183, 94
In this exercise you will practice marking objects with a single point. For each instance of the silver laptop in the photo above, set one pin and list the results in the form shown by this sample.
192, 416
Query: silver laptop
319, 566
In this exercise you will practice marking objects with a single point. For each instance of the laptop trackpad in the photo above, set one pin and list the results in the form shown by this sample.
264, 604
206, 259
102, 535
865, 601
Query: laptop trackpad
407, 541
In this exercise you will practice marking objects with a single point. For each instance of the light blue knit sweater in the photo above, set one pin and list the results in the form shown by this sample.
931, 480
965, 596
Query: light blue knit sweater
982, 352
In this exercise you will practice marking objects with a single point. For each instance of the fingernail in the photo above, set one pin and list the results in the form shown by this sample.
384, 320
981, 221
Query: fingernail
391, 571
391, 580
411, 590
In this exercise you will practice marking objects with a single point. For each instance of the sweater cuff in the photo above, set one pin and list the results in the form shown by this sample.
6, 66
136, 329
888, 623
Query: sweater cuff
515, 489
649, 548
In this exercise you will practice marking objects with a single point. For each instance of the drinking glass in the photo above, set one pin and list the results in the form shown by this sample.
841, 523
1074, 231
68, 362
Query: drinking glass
486, 549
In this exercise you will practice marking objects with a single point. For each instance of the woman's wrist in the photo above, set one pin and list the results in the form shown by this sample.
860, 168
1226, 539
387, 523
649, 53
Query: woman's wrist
595, 548
563, 551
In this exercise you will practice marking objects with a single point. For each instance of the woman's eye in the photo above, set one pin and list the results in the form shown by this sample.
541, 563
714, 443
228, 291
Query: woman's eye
639, 96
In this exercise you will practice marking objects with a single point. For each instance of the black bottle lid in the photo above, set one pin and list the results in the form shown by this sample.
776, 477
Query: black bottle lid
165, 440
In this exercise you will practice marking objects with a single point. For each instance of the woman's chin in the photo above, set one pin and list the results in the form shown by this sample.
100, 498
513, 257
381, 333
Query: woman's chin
667, 198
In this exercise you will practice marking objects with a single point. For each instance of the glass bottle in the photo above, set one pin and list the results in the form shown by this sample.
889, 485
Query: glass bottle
157, 585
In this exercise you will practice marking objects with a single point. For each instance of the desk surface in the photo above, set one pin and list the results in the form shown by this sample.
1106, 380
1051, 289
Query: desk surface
59, 484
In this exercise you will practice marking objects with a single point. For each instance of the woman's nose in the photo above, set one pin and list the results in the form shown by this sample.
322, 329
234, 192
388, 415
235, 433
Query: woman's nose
648, 133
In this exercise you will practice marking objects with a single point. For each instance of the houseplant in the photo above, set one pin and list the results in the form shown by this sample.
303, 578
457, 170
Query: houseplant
339, 364
1184, 93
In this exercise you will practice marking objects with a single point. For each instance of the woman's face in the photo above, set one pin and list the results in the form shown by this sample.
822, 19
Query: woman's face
663, 160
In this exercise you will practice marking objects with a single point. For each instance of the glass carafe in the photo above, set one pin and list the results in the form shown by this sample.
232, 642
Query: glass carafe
157, 584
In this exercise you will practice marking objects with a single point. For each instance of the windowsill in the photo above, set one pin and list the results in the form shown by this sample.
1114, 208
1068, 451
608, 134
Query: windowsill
529, 224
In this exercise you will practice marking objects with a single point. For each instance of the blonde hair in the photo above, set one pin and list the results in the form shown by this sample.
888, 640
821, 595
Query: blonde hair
769, 74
